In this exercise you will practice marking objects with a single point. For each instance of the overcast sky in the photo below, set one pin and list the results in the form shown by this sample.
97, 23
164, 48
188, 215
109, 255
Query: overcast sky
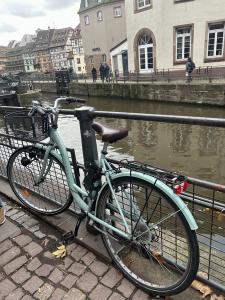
20, 17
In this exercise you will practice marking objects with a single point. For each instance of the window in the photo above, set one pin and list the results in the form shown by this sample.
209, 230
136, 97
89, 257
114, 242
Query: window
91, 59
86, 20
215, 40
79, 68
78, 60
145, 53
183, 43
117, 12
99, 1
99, 15
103, 57
85, 3
143, 3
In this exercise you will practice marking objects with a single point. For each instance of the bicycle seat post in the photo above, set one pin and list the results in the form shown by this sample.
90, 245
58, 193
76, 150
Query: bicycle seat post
89, 145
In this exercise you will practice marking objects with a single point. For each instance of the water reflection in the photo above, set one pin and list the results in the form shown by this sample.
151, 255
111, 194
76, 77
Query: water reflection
181, 138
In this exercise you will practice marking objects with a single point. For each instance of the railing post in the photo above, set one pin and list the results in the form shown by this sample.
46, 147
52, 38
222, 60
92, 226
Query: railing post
210, 76
89, 145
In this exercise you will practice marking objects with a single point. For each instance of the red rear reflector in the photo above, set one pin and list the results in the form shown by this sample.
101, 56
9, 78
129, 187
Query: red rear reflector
185, 185
179, 188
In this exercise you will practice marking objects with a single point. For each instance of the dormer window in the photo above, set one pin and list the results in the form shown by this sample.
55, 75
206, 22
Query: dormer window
86, 20
99, 15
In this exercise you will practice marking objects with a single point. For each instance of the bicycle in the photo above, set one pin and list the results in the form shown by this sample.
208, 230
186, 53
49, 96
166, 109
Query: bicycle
147, 229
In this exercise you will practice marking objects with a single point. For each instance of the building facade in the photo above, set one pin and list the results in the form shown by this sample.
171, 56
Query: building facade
103, 26
29, 58
15, 61
3, 58
41, 51
77, 58
60, 47
162, 34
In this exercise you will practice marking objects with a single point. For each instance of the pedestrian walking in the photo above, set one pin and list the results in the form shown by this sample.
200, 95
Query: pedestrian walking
2, 213
94, 74
102, 72
190, 66
107, 73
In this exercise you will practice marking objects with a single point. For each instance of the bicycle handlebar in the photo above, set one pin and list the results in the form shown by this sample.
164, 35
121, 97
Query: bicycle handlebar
37, 108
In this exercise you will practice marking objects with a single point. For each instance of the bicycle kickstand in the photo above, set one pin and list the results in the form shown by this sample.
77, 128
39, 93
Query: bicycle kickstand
70, 236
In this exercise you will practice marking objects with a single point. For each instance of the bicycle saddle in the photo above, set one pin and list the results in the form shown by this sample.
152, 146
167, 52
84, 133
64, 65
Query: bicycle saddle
109, 135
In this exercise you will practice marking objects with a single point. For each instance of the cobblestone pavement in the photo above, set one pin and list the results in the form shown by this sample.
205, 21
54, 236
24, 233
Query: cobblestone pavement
28, 270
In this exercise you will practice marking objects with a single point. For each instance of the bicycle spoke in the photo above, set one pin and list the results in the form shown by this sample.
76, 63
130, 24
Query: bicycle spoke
158, 256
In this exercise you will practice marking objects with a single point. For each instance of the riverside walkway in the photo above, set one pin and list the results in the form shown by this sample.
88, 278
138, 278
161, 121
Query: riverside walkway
28, 269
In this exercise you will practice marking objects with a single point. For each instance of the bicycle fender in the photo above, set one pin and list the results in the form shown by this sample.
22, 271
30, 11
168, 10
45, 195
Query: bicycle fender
164, 188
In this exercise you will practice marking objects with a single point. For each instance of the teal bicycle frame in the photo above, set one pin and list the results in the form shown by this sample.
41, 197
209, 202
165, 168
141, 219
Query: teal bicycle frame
79, 194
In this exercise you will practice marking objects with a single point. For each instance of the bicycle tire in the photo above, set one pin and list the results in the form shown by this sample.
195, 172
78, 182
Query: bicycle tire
146, 273
52, 195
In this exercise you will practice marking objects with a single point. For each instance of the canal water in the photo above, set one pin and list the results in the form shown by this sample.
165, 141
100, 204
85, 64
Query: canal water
197, 151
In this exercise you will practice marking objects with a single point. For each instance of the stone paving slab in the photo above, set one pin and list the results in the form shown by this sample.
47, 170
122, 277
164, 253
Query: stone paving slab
8, 229
64, 222
28, 270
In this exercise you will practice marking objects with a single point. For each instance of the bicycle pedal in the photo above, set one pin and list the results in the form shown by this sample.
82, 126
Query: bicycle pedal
68, 237
91, 227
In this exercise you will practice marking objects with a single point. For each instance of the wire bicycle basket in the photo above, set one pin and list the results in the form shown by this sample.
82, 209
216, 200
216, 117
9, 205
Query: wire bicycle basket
24, 127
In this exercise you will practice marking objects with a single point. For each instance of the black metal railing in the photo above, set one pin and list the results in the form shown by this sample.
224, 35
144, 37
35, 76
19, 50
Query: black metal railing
205, 199
208, 73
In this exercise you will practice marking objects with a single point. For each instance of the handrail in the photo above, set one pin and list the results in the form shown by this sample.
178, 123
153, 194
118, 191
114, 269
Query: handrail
203, 121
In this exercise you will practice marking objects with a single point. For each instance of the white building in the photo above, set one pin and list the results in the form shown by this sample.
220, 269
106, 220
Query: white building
164, 33
119, 58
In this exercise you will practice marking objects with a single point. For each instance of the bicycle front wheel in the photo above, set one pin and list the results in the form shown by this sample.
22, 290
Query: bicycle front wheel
162, 256
50, 196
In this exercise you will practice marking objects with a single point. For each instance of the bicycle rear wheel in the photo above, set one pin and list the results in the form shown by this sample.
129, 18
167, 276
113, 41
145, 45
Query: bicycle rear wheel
52, 195
163, 257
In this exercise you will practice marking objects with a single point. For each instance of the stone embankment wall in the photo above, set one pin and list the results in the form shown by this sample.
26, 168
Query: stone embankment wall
202, 93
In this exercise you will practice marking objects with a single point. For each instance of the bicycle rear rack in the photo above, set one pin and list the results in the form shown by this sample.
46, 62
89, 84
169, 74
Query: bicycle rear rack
175, 180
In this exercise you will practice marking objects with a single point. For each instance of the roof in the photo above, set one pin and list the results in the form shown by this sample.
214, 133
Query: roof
122, 42
93, 3
60, 37
3, 50
43, 39
15, 51
76, 33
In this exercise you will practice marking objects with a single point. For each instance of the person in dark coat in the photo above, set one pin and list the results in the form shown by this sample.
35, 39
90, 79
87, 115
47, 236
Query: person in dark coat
94, 74
102, 72
190, 66
107, 73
